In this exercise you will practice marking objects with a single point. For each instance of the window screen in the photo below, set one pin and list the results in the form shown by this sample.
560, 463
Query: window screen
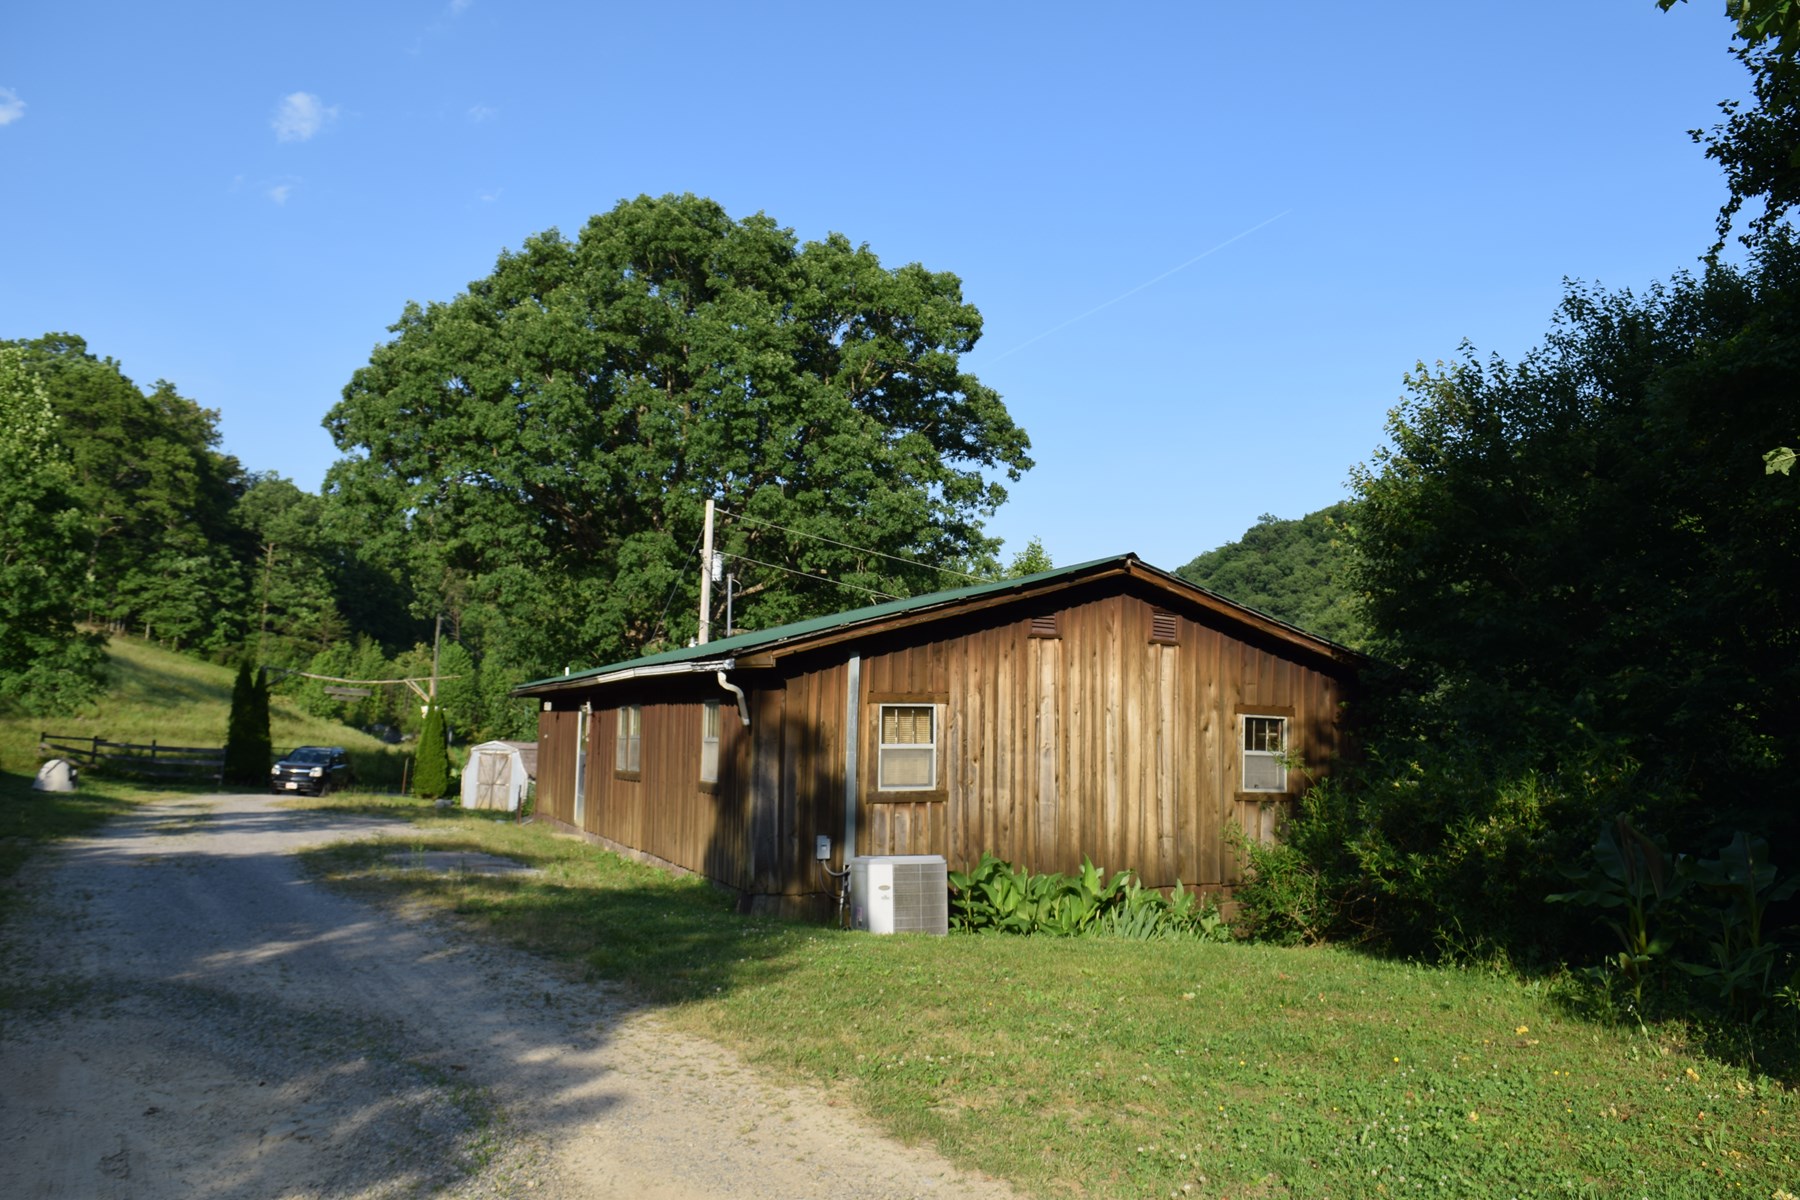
908, 750
1265, 747
709, 742
630, 738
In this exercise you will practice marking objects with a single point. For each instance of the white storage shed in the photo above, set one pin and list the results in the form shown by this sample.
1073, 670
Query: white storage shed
498, 774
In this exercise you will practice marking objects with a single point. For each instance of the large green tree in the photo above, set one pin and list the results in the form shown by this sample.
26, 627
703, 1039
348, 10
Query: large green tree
536, 451
46, 665
292, 602
163, 552
1581, 581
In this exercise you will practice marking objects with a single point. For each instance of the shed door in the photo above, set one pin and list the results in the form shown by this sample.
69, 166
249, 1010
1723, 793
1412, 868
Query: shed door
493, 779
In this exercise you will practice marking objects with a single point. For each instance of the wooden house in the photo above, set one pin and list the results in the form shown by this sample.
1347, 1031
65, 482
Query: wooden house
1109, 709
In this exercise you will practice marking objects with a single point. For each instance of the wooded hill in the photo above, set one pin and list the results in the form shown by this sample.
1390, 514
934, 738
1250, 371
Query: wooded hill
1297, 570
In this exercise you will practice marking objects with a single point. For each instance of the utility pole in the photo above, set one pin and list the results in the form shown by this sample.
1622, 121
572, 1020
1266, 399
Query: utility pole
706, 575
436, 637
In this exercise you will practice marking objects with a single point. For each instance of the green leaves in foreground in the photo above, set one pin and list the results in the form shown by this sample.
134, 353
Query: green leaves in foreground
998, 896
1705, 917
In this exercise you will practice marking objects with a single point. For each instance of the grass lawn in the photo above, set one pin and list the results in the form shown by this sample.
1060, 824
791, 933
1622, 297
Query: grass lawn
157, 694
1107, 1068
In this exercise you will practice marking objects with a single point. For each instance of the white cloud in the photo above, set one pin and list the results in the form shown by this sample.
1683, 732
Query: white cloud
482, 112
300, 116
11, 107
279, 193
459, 6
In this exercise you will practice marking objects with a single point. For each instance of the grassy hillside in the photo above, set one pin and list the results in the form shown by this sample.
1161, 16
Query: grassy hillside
156, 694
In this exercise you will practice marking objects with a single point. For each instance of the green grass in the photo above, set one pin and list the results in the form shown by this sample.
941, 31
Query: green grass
1104, 1068
157, 694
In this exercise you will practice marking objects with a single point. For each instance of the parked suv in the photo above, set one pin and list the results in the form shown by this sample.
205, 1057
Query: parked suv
313, 769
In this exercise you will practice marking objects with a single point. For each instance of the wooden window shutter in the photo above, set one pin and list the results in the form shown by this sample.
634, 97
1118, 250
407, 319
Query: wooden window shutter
1044, 626
1163, 627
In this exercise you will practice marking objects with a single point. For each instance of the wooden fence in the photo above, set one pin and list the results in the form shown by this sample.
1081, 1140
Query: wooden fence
196, 764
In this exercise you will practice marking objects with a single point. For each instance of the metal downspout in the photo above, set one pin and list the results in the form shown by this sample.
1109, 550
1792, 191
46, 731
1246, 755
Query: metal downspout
743, 704
852, 738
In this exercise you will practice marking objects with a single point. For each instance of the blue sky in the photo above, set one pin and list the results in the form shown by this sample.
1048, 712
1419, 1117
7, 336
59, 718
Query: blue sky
1207, 239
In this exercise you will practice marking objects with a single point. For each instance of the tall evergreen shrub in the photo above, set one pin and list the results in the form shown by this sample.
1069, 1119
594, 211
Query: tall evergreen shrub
262, 745
431, 775
246, 759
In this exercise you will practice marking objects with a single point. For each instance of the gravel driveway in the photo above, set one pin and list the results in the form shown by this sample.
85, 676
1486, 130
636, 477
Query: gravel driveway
197, 1020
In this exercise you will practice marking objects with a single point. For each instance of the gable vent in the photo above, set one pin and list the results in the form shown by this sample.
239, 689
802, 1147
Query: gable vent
1044, 626
1163, 628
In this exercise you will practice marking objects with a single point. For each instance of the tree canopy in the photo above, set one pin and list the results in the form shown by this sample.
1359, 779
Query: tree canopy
537, 450
155, 494
46, 665
1759, 146
1580, 577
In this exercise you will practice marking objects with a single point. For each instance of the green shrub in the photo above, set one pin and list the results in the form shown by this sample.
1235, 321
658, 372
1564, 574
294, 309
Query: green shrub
431, 773
1000, 897
247, 744
1283, 898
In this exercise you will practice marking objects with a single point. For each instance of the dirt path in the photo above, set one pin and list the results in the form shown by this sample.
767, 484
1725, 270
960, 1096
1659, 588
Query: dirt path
198, 1021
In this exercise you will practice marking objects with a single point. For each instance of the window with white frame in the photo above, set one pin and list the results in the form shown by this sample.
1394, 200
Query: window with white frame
630, 739
709, 742
906, 758
1265, 754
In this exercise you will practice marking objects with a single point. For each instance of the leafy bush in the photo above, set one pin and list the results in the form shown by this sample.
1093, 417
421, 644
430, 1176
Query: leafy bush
1000, 897
1429, 854
1283, 898
1692, 940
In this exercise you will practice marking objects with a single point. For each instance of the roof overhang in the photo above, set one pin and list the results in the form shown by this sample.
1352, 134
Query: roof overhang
573, 683
763, 651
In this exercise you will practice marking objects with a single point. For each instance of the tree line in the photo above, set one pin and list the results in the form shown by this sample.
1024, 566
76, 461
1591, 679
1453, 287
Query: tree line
1574, 574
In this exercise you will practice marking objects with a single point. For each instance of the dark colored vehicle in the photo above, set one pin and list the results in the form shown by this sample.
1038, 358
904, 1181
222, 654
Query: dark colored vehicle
312, 769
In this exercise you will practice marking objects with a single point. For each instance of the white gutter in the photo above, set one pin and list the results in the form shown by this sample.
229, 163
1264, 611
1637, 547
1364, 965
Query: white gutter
852, 737
650, 672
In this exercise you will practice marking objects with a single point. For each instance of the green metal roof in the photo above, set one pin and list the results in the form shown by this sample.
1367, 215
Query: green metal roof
743, 642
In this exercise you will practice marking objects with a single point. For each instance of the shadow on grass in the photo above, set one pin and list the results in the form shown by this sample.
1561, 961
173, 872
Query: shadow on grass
668, 939
1673, 1008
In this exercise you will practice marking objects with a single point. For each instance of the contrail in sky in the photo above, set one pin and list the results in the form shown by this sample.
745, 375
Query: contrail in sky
1140, 287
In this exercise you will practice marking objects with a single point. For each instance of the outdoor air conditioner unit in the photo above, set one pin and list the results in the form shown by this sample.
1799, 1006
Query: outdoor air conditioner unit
900, 893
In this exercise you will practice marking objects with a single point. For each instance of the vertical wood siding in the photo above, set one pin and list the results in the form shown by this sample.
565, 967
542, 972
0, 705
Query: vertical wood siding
1097, 742
556, 765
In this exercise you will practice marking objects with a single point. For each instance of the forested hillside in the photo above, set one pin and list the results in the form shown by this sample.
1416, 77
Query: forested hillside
1297, 570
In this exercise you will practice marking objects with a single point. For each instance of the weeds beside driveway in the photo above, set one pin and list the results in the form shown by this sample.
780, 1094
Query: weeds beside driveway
1108, 1068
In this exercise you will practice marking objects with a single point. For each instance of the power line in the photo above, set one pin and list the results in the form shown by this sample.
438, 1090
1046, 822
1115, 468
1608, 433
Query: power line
819, 537
855, 587
670, 598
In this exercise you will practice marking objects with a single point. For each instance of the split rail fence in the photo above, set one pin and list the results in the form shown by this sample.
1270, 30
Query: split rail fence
193, 764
